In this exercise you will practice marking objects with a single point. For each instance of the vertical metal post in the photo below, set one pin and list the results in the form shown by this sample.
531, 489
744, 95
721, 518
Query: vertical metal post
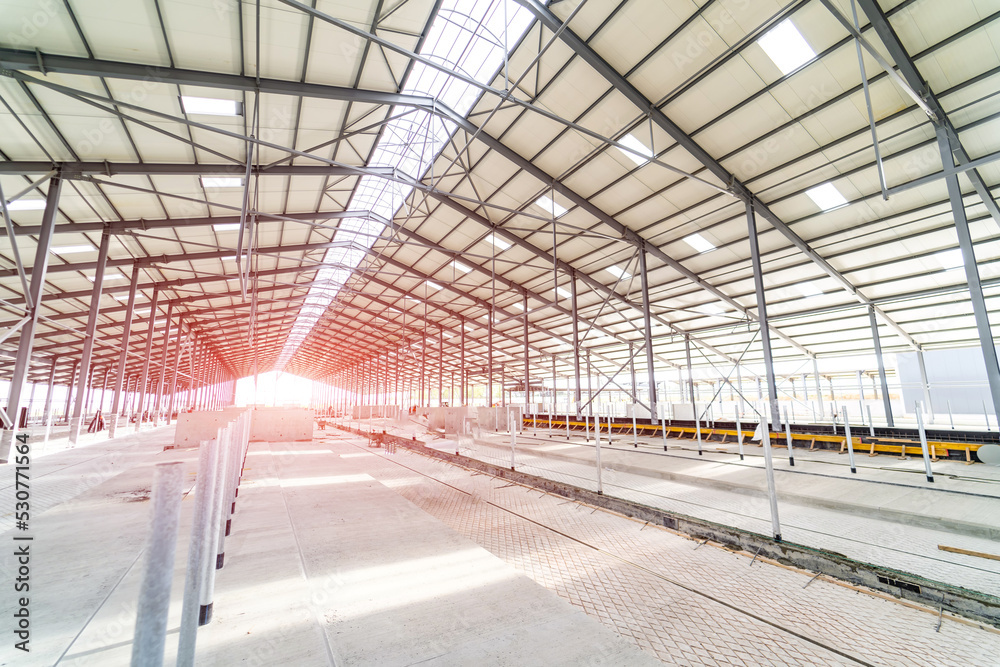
154, 595
461, 328
524, 334
597, 450
850, 441
772, 493
694, 404
635, 396
590, 401
189, 399
663, 419
739, 433
765, 332
69, 389
162, 380
144, 378
788, 439
199, 551
26, 340
971, 268
923, 443
489, 358
555, 398
177, 360
576, 346
647, 332
887, 404
925, 384
861, 397
819, 387
52, 383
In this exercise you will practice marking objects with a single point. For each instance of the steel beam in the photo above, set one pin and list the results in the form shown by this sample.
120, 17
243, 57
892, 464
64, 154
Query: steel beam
29, 61
623, 86
911, 75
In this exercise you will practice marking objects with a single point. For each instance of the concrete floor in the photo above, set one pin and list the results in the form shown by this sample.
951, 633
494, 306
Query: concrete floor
343, 554
886, 514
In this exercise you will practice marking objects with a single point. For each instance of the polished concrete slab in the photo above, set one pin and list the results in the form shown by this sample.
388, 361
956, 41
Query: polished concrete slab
325, 565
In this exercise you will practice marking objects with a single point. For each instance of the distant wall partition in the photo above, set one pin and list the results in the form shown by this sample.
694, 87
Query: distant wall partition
269, 425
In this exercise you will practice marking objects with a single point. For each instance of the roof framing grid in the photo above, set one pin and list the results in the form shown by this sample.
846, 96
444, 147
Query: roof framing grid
566, 118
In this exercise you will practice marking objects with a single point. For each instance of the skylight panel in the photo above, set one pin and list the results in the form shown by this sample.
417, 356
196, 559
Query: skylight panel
226, 227
550, 207
699, 242
461, 267
497, 242
221, 182
809, 289
618, 272
709, 309
211, 106
826, 196
517, 305
644, 154
71, 249
26, 205
564, 293
434, 285
786, 47
950, 259
462, 37
107, 276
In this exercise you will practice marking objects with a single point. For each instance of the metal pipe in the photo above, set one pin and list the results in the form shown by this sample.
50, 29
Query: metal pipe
923, 444
739, 433
199, 551
788, 439
850, 441
154, 594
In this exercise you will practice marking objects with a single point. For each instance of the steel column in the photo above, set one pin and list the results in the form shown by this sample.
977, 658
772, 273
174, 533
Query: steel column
69, 389
971, 270
647, 333
88, 341
576, 343
162, 380
48, 393
881, 369
527, 372
145, 360
177, 361
765, 332
22, 362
